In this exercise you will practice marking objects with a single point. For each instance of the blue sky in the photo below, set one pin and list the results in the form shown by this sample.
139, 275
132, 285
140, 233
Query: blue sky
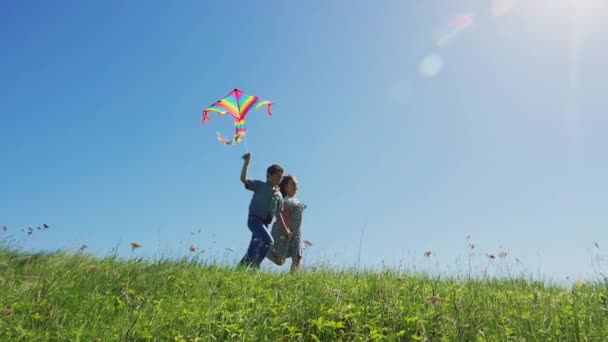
498, 134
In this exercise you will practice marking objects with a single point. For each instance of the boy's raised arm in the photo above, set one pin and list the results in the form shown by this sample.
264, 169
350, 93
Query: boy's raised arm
246, 158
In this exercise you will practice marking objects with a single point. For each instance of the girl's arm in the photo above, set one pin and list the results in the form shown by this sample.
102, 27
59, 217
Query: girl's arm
284, 217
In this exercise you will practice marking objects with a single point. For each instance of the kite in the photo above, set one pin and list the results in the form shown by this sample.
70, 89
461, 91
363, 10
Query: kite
238, 104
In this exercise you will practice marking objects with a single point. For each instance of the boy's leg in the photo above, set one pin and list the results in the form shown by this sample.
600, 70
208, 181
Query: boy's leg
247, 258
260, 242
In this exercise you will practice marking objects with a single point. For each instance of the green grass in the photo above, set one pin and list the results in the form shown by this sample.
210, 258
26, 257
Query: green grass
63, 296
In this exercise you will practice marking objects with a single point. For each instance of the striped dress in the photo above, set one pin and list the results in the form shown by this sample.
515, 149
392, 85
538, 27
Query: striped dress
291, 210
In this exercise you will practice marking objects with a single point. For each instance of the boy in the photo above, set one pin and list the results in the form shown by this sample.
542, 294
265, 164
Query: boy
265, 203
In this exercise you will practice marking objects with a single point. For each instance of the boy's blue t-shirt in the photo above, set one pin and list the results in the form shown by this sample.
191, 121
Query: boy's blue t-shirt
266, 199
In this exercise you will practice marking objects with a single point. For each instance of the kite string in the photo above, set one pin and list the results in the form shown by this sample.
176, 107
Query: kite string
245, 141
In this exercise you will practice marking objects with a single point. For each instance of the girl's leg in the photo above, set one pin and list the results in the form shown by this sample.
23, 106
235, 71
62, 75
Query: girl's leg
277, 252
295, 250
276, 259
295, 263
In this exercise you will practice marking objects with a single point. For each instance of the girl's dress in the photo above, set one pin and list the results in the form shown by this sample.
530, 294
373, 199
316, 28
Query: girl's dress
292, 210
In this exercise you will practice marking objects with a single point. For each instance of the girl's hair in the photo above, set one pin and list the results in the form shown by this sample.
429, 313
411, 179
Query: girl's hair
284, 182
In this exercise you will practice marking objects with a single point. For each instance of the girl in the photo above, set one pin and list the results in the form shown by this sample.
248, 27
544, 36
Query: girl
288, 246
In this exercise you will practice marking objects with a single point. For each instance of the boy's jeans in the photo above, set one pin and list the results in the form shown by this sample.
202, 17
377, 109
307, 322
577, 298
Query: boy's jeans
261, 242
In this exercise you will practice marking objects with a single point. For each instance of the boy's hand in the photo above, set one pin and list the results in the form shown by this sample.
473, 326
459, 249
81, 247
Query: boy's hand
246, 157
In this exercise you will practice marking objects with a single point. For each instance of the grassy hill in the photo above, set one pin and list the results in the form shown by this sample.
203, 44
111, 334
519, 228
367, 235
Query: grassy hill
64, 296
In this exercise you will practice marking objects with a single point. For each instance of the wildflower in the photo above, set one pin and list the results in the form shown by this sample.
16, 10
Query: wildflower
335, 293
4, 228
135, 245
83, 247
192, 248
433, 300
45, 226
579, 283
427, 254
307, 243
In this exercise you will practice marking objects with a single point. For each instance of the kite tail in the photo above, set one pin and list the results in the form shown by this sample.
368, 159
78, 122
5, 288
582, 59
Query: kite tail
223, 140
235, 140
239, 134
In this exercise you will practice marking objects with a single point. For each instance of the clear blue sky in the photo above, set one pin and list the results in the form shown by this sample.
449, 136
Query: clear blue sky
499, 134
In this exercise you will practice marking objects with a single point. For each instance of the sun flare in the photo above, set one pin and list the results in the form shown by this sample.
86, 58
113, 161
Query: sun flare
568, 8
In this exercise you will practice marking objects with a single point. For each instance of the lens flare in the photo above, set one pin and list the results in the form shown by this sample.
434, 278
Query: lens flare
455, 26
503, 7
431, 65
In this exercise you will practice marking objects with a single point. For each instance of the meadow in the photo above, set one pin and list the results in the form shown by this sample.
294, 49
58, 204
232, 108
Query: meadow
74, 296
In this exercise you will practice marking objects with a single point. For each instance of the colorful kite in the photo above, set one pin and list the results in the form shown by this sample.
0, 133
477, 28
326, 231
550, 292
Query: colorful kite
237, 103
